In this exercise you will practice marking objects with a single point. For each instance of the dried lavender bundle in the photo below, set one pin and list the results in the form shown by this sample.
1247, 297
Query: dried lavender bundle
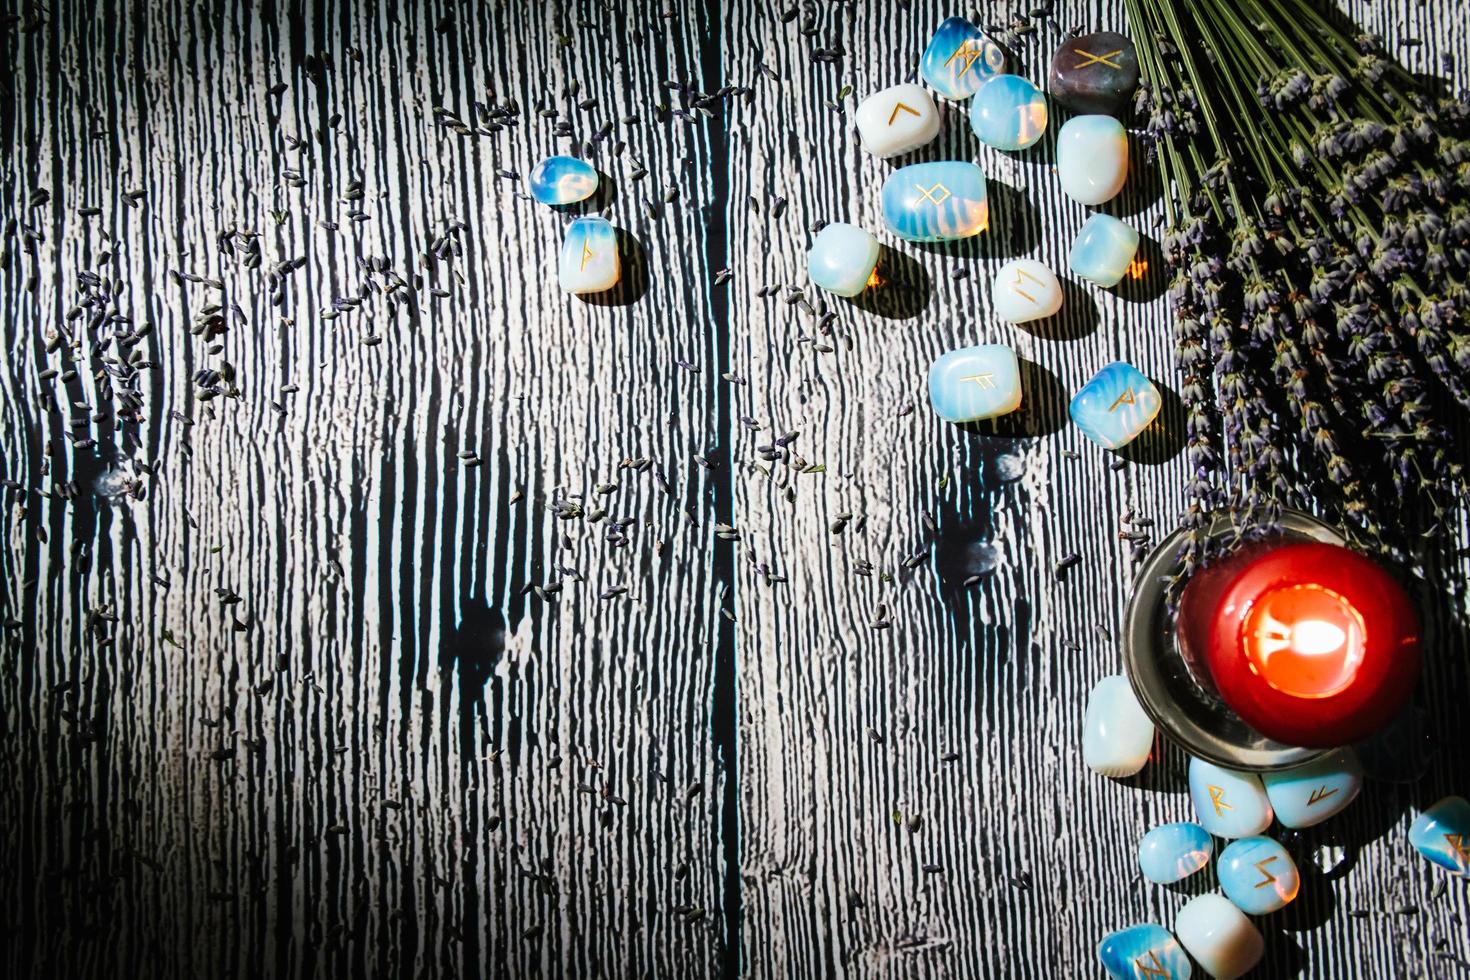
1319, 246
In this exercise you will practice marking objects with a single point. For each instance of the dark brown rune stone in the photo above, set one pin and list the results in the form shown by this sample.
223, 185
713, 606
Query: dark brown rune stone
1095, 74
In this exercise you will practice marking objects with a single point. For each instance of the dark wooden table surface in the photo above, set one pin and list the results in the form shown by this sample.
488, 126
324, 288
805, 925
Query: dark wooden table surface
467, 629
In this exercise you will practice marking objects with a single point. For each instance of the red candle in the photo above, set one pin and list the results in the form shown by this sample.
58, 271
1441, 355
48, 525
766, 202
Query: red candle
1309, 643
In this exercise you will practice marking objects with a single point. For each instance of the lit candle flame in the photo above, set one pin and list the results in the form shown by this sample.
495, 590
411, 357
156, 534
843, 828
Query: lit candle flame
1315, 638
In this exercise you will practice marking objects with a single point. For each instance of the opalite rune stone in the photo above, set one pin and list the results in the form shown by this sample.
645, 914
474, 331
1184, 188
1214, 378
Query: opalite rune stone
1008, 113
1095, 73
1092, 158
897, 119
842, 259
959, 59
975, 383
1229, 803
1147, 951
1115, 406
1174, 851
1116, 734
562, 180
1257, 875
1308, 795
1219, 936
1025, 290
1104, 250
1442, 834
936, 202
589, 256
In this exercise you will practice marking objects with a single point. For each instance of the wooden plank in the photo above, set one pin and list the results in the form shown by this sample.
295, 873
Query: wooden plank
386, 756
914, 802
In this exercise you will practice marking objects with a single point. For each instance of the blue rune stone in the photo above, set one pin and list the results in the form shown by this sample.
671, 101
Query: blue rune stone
1116, 405
842, 259
975, 383
1104, 250
1257, 875
1008, 113
1143, 951
562, 180
1174, 851
936, 202
589, 256
959, 59
1442, 834
1310, 794
1228, 803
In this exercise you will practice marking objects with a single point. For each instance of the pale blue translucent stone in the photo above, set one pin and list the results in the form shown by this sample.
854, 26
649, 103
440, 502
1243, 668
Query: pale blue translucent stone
1103, 251
1008, 113
589, 256
936, 202
842, 259
1147, 951
959, 59
1117, 736
1092, 158
1257, 875
1174, 851
562, 180
1116, 405
1218, 935
1442, 834
1312, 793
975, 383
1228, 803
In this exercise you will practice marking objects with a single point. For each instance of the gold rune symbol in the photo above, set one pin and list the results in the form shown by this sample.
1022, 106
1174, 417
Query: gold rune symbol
929, 194
1089, 59
586, 254
1319, 794
1217, 795
983, 380
1156, 970
970, 53
1269, 878
1461, 849
1021, 276
1126, 398
904, 107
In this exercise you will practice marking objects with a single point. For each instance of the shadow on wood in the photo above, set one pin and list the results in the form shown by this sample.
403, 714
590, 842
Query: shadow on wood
1162, 440
1077, 318
903, 291
1148, 277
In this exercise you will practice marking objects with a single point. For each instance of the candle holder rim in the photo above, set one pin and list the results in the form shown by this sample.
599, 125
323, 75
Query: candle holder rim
1146, 610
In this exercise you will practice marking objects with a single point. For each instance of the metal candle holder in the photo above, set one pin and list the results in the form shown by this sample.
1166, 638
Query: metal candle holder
1180, 704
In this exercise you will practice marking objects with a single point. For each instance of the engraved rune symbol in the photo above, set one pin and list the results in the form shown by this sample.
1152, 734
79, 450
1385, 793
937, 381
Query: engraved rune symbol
983, 380
970, 52
1319, 794
1126, 398
1217, 795
1269, 878
929, 193
1155, 970
1021, 276
1088, 59
586, 254
1461, 849
902, 107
